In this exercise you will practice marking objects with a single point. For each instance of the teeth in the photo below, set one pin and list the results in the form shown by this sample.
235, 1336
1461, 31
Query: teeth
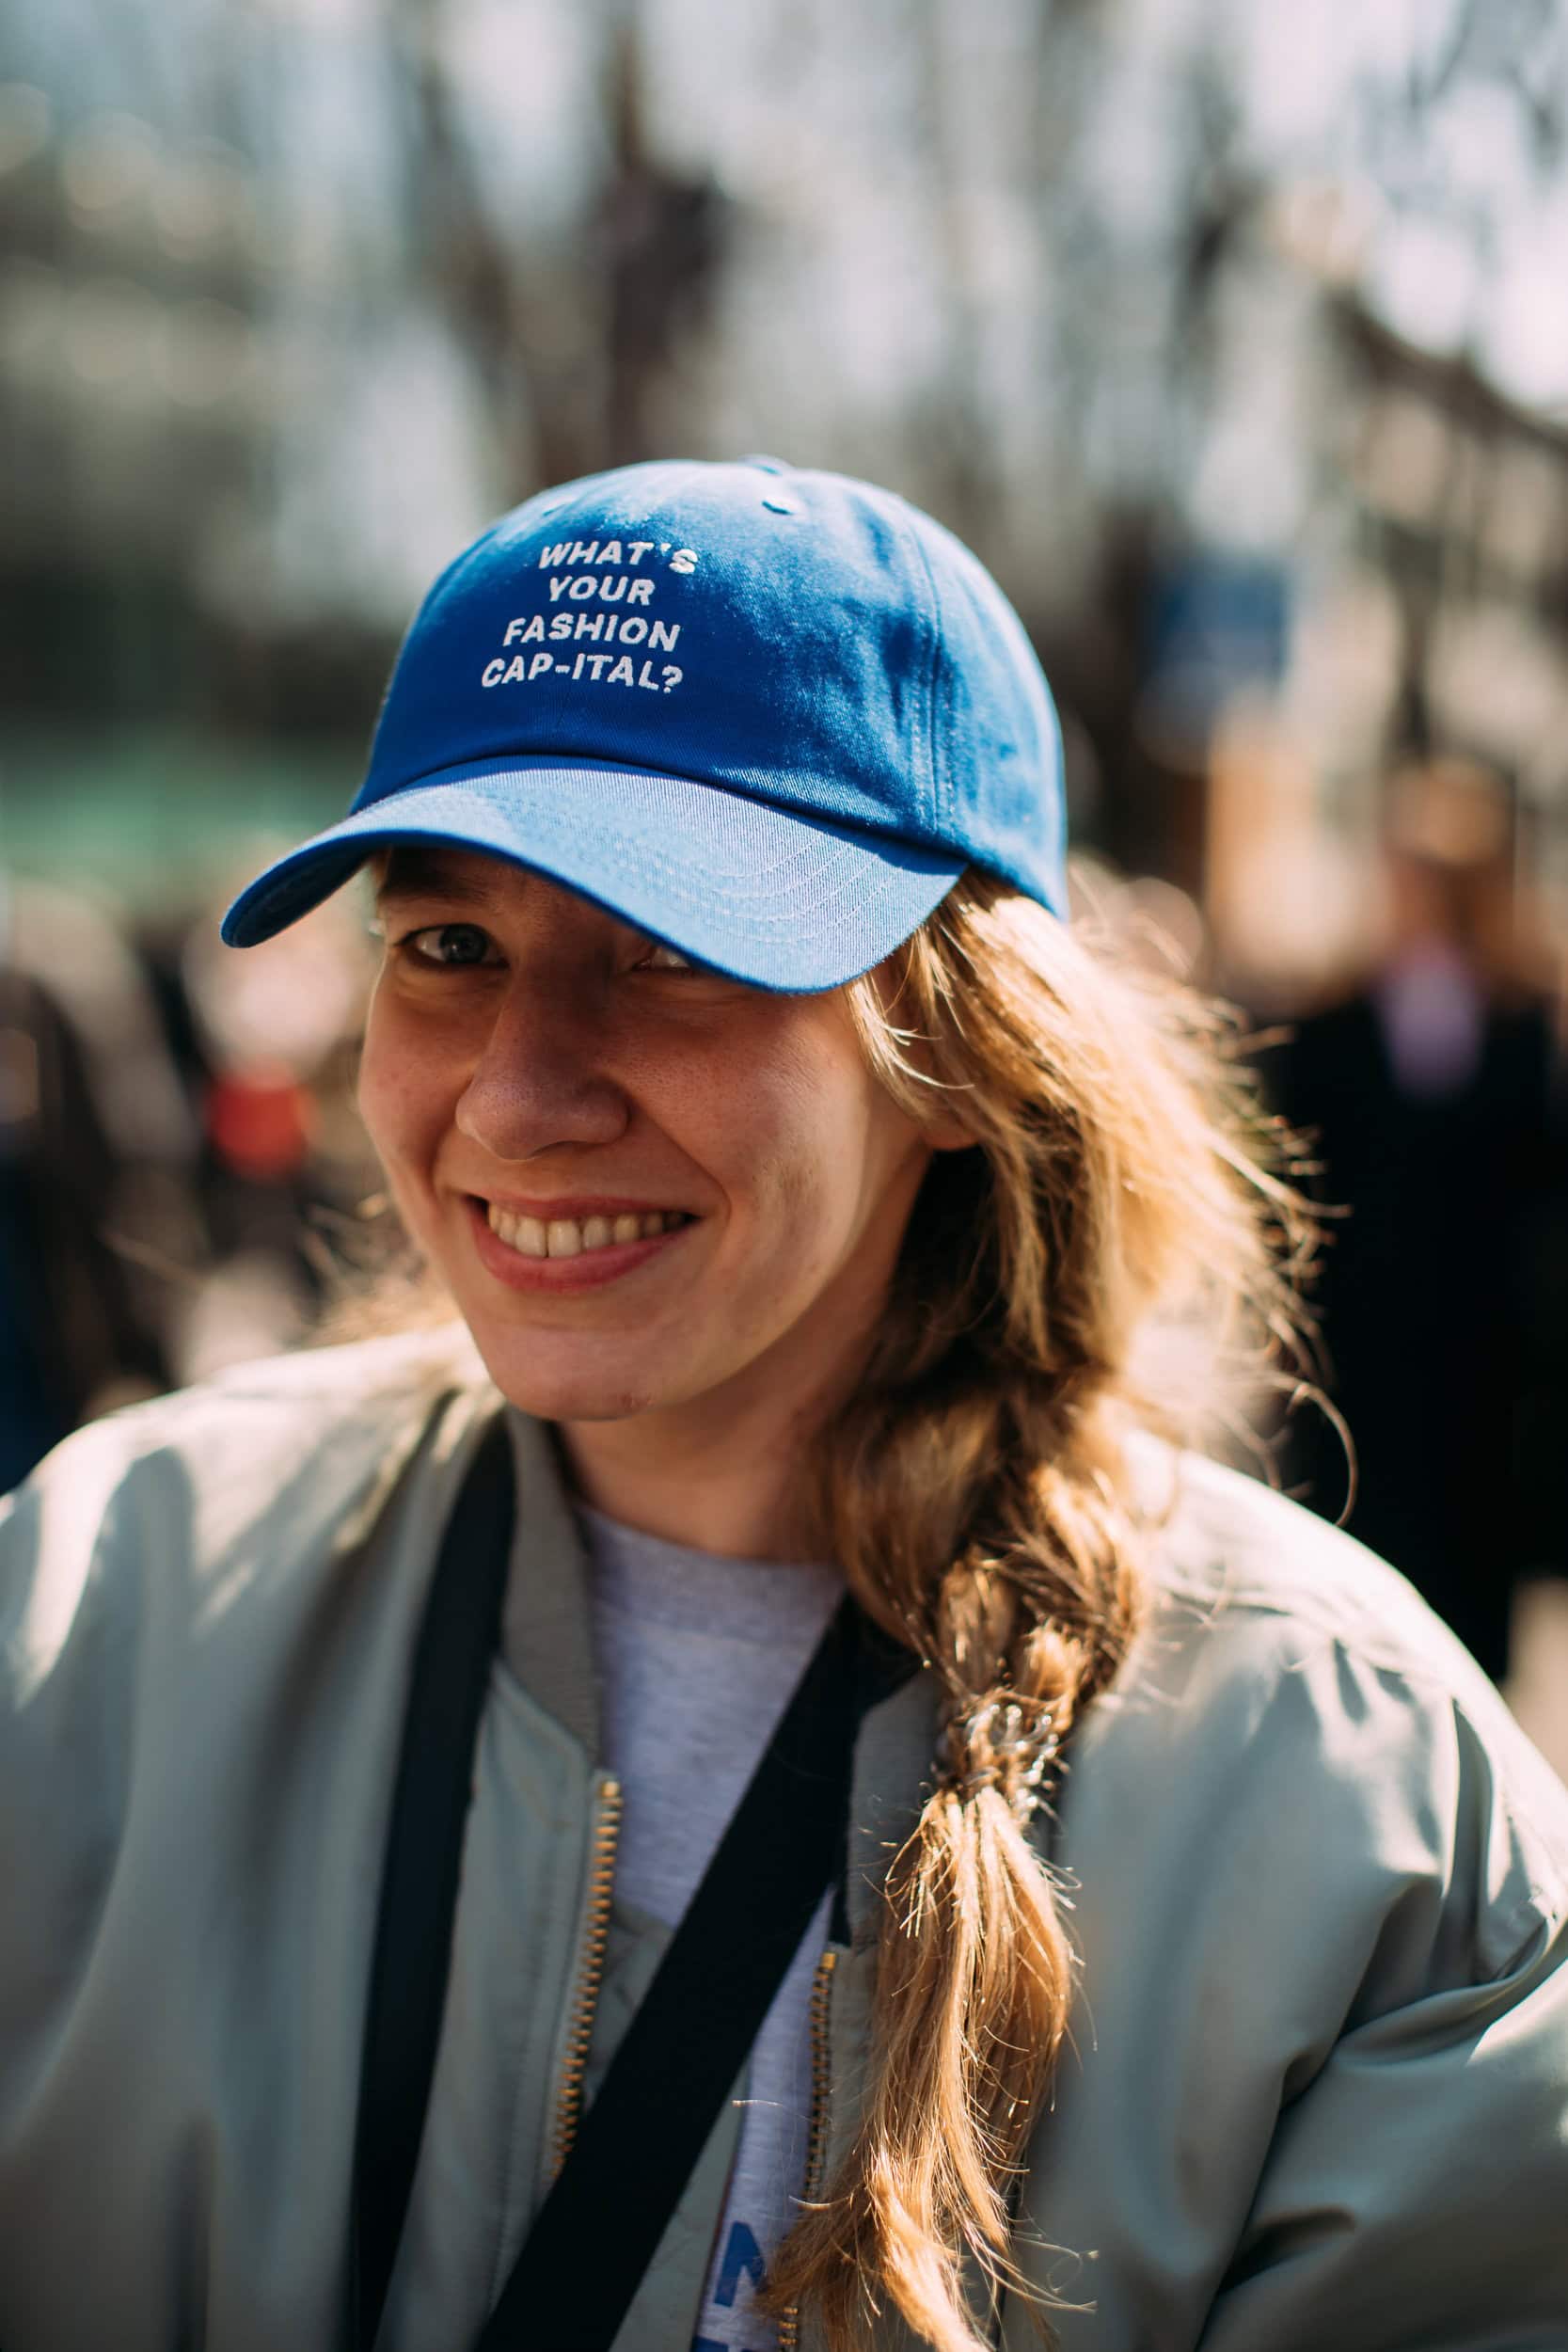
568, 1238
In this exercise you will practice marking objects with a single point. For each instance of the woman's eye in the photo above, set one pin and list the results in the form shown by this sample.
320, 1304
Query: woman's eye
659, 958
451, 944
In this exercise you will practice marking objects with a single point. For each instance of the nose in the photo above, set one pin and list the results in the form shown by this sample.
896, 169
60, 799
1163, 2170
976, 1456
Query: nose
538, 1084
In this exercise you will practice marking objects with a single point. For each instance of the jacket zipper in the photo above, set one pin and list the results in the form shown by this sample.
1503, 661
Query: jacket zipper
579, 2036
816, 2130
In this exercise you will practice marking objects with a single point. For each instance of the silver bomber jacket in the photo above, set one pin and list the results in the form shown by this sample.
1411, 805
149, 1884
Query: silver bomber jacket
1317, 2094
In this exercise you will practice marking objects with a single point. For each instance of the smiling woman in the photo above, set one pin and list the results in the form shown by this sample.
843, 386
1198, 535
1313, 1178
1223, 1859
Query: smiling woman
773, 1636
536, 1068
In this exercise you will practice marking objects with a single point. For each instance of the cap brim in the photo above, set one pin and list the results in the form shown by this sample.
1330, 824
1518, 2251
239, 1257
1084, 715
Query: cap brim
768, 895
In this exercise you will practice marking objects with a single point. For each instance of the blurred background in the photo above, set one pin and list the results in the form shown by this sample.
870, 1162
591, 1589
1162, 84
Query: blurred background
1235, 340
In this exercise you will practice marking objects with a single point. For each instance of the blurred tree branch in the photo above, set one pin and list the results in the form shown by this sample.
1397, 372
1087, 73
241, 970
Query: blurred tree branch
568, 342
497, 290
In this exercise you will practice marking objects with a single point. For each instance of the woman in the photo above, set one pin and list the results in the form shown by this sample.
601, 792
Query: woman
1159, 1934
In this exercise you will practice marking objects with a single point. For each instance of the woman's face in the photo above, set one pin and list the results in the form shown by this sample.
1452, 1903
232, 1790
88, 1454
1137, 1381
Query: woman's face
645, 1185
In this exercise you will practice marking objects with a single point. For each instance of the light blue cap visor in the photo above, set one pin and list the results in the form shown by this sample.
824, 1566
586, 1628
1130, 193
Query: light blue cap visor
772, 895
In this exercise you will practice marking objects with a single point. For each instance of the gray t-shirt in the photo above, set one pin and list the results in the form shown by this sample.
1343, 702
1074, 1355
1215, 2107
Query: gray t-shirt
698, 1656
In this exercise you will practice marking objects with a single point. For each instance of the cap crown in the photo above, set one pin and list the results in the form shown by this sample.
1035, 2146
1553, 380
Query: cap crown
795, 636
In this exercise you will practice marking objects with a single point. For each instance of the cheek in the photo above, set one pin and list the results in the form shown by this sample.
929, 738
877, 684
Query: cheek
801, 1130
400, 1098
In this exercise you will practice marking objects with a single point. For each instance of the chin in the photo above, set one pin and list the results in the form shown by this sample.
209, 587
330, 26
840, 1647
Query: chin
548, 1392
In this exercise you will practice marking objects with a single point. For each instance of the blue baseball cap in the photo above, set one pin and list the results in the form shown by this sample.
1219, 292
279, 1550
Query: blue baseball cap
768, 715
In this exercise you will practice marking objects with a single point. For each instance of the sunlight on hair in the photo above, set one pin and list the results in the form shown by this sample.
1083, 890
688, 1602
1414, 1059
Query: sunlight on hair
1119, 1250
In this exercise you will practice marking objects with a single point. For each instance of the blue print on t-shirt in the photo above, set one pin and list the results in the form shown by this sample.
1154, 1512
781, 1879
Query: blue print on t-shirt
741, 2253
743, 2259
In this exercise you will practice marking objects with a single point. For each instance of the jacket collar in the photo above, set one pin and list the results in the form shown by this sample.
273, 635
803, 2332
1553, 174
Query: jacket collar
546, 1626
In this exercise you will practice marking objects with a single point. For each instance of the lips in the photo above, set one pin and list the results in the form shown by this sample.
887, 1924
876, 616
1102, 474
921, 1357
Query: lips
536, 1247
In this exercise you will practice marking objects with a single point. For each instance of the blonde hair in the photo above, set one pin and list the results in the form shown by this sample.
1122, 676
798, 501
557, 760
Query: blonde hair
1123, 1185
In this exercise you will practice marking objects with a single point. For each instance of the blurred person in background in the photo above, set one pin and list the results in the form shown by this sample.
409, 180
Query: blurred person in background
96, 1161
1427, 1093
270, 1046
686, 1642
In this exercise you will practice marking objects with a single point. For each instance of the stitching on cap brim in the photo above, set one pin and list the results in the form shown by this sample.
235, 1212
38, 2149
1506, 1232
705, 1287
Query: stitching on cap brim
757, 883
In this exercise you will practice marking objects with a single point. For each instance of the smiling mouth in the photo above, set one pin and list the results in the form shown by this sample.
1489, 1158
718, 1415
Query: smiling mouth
578, 1237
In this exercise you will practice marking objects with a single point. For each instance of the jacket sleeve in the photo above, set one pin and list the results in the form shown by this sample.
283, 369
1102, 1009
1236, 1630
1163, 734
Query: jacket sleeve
1415, 2194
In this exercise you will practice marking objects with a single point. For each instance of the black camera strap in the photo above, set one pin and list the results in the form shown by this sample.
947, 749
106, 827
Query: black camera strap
574, 2281
459, 1634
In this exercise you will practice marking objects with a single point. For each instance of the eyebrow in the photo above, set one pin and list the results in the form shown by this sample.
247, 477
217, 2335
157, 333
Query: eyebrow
414, 873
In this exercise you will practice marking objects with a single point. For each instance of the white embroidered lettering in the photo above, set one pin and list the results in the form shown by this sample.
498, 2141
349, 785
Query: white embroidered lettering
580, 586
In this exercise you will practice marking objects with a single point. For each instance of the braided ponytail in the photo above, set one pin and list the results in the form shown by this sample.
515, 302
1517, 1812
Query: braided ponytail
973, 1494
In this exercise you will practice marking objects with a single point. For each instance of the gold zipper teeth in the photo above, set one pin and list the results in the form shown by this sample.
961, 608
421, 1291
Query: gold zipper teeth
606, 1829
817, 2133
